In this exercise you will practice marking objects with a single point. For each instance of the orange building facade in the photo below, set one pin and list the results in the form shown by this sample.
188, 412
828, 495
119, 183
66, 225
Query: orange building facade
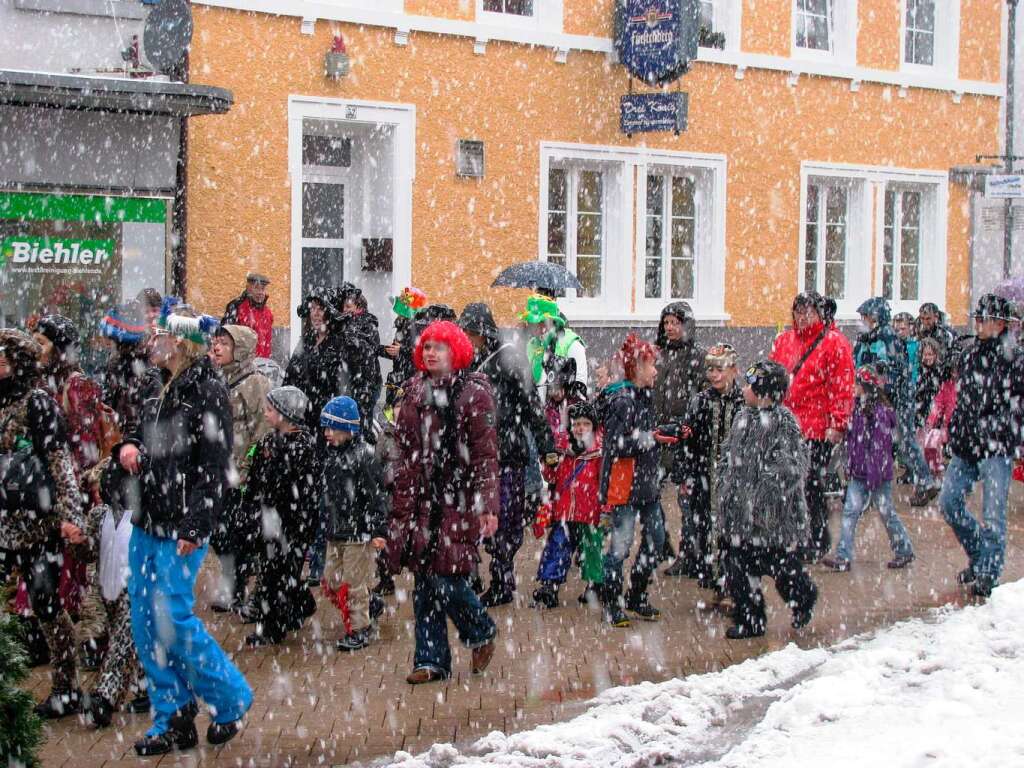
817, 154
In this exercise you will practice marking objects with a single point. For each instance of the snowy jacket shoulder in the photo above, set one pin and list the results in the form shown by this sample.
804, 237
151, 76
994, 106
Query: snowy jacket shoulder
883, 347
821, 393
354, 492
444, 479
629, 422
247, 389
284, 485
186, 438
33, 418
518, 405
987, 421
761, 479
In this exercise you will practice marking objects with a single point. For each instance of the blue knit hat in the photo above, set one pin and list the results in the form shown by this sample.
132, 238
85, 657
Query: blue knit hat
125, 323
342, 414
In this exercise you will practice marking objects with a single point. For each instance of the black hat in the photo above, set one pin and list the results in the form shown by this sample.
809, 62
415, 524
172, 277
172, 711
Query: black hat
477, 318
290, 402
432, 312
583, 410
768, 379
825, 306
994, 307
59, 330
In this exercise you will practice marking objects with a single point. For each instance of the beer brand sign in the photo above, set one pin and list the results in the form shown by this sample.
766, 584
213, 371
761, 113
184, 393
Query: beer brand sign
657, 39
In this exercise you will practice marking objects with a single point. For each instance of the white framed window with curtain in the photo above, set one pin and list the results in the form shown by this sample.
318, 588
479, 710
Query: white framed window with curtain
722, 17
873, 231
532, 14
638, 227
825, 29
930, 37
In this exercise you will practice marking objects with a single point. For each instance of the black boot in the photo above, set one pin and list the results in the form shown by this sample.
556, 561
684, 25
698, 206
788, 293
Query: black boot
637, 600
58, 705
611, 598
181, 734
496, 595
744, 631
546, 595
222, 733
683, 566
802, 613
99, 711
385, 586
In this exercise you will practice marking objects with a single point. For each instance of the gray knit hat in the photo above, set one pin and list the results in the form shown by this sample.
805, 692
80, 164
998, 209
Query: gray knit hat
290, 402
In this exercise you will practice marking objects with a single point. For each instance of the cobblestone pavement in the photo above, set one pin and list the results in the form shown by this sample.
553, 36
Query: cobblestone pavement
316, 706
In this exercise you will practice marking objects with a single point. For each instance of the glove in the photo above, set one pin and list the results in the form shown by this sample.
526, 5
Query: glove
552, 459
541, 520
605, 522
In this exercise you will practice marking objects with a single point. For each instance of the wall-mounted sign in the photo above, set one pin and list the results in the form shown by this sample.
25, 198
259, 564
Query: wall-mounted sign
45, 254
1004, 186
647, 112
469, 159
657, 39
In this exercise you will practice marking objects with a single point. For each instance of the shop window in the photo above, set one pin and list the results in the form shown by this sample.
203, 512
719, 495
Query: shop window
826, 228
901, 248
78, 255
671, 229
576, 224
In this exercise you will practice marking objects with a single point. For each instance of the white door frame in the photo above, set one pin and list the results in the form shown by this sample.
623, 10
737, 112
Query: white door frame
356, 112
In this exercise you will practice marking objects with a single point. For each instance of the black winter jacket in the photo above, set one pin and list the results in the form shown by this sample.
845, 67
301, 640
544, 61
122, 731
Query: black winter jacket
360, 341
709, 417
285, 479
354, 492
185, 436
629, 425
987, 419
518, 405
128, 380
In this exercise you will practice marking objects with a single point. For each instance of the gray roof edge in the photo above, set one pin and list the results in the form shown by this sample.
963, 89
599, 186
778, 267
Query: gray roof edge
123, 94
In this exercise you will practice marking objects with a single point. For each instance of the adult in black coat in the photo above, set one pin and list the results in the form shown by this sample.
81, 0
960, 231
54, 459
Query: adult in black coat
518, 410
317, 364
360, 343
984, 435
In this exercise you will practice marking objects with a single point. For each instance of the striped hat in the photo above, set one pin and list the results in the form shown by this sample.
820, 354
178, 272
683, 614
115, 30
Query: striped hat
124, 323
342, 414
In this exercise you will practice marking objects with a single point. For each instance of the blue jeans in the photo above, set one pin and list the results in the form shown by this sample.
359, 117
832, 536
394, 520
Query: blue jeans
435, 599
652, 523
909, 451
180, 657
984, 543
858, 499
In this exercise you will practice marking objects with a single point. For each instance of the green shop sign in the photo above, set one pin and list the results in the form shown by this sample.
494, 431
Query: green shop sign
55, 254
86, 209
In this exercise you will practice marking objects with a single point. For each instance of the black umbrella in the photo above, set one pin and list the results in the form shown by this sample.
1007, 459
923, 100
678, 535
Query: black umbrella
542, 276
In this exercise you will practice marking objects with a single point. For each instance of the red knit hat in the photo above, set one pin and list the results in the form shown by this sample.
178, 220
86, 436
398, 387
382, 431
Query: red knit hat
445, 332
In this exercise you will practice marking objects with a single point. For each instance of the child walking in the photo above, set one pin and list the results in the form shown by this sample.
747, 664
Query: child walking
575, 512
761, 495
282, 493
109, 529
869, 444
357, 517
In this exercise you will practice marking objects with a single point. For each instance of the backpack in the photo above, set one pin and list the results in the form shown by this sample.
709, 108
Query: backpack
25, 482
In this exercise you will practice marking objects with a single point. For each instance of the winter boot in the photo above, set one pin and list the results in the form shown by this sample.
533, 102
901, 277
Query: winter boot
99, 711
58, 705
966, 576
546, 595
611, 598
354, 641
181, 735
139, 705
376, 606
802, 613
900, 561
683, 566
496, 596
590, 595
923, 496
637, 600
385, 586
983, 586
222, 733
744, 631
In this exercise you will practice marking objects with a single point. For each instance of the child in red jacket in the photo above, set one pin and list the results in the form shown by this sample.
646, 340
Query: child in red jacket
575, 513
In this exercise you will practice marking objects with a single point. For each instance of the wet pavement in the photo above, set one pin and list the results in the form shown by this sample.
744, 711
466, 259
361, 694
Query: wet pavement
317, 706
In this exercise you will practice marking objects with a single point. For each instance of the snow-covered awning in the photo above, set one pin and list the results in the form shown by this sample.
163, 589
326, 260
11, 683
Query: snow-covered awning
110, 94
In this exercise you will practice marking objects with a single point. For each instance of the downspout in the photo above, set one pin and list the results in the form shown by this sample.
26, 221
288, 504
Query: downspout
179, 214
1011, 56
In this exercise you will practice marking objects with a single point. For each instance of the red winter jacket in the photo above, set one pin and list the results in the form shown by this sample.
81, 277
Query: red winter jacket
242, 311
821, 395
576, 482
417, 437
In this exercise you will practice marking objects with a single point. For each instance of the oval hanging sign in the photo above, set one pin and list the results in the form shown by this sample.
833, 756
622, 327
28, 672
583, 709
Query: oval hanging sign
657, 39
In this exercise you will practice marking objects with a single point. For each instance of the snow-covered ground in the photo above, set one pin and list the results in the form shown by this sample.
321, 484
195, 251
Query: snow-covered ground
943, 691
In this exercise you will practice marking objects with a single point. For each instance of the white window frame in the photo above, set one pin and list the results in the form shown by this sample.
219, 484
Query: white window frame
947, 41
864, 250
842, 35
386, 6
548, 15
728, 16
622, 300
573, 169
854, 248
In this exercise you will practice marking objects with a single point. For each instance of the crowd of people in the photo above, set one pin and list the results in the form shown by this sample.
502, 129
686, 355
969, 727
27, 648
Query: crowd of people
327, 476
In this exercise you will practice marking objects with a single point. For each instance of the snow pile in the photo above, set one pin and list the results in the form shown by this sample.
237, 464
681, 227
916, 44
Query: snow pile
946, 691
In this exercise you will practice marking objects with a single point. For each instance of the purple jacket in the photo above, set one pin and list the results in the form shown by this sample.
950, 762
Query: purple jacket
869, 445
